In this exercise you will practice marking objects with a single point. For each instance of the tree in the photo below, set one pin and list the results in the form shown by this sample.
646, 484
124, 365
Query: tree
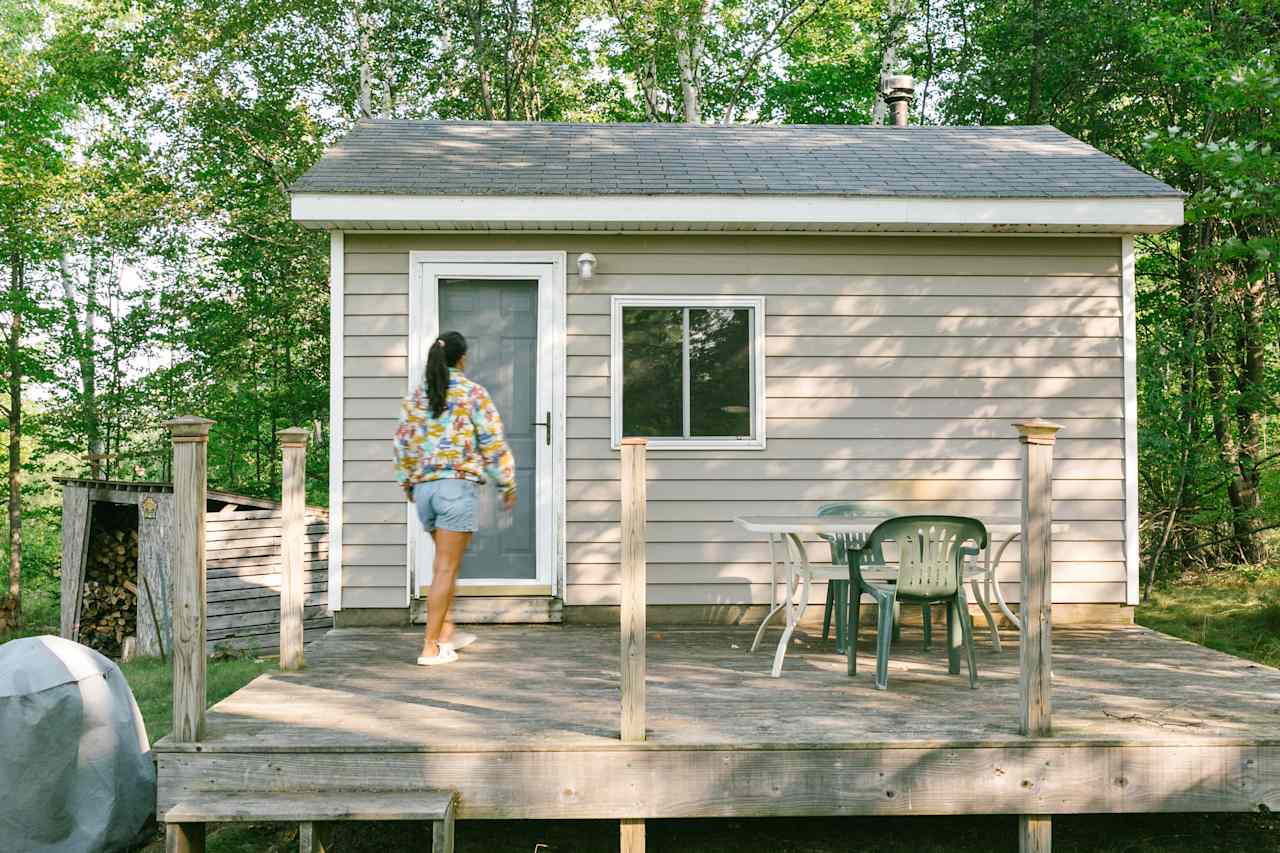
691, 60
32, 138
1184, 91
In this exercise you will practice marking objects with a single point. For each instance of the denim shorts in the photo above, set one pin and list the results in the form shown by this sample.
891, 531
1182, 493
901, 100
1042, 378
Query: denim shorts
447, 505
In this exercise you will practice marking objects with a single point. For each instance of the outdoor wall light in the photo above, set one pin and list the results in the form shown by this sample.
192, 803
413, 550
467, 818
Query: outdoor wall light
586, 265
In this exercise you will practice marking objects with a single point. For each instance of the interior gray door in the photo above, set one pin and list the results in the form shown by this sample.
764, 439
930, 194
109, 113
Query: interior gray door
499, 319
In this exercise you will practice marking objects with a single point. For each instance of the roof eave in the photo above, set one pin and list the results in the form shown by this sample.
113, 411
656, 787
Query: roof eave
797, 213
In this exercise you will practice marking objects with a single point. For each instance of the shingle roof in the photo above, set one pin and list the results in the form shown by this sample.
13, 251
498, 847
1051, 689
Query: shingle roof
496, 158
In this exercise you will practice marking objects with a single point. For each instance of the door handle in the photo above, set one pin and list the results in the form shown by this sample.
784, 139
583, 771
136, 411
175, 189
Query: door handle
547, 424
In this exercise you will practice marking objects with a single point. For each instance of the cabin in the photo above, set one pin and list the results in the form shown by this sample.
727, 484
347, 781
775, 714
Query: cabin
686, 328
791, 315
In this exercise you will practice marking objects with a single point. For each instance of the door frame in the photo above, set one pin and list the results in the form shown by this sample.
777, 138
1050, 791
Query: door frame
548, 269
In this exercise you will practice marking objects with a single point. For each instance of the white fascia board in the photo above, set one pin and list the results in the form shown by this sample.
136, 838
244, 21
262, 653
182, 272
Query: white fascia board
1123, 215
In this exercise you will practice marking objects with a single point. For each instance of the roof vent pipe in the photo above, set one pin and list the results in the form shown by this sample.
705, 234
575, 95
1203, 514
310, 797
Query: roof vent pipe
899, 90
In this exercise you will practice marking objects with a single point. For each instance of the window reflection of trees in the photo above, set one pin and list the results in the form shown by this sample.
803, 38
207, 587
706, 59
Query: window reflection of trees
652, 388
719, 372
719, 346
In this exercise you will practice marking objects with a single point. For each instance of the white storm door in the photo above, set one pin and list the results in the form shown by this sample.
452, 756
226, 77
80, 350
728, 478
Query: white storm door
512, 314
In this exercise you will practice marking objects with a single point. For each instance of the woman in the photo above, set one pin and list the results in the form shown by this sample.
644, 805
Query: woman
450, 437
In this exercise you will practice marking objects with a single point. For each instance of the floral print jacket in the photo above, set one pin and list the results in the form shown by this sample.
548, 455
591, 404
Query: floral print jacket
464, 443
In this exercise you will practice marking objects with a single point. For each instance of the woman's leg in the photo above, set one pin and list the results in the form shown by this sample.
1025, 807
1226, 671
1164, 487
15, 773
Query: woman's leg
450, 546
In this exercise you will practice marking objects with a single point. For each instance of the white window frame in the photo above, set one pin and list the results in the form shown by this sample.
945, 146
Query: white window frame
755, 304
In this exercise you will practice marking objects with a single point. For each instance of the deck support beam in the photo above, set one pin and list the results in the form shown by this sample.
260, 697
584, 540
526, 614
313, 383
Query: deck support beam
632, 835
293, 442
1035, 650
187, 563
1035, 833
634, 603
184, 838
313, 836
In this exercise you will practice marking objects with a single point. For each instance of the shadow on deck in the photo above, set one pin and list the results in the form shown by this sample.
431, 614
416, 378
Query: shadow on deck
526, 725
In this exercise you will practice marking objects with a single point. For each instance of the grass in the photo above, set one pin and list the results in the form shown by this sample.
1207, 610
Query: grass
1236, 612
152, 685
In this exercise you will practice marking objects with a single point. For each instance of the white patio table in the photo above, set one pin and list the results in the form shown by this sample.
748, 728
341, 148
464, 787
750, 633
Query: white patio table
794, 569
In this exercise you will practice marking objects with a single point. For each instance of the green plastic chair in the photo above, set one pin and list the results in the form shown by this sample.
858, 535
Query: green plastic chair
837, 605
931, 556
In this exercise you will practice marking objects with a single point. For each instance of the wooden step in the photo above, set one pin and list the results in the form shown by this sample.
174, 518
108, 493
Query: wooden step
498, 610
187, 818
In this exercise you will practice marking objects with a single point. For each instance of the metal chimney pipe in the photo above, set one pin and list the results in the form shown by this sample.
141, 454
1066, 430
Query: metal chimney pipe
899, 90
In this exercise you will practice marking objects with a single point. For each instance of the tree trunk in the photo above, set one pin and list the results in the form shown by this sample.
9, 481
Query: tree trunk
1250, 402
480, 57
365, 95
648, 80
17, 286
688, 84
1228, 447
83, 347
689, 47
1035, 83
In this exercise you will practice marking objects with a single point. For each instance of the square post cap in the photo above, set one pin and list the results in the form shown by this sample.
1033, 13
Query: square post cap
189, 428
293, 437
1037, 431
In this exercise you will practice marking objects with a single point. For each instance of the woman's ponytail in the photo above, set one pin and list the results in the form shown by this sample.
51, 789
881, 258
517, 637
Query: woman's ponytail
445, 352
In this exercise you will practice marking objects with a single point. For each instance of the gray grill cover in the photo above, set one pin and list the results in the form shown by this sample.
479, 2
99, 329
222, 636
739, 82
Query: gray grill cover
75, 764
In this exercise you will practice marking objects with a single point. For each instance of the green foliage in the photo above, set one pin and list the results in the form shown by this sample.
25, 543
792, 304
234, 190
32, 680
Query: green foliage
828, 64
1187, 92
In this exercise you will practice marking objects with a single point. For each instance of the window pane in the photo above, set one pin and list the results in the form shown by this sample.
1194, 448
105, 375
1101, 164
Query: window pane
720, 372
652, 390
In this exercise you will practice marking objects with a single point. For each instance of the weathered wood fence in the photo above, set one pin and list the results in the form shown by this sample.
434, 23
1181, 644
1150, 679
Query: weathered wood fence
245, 550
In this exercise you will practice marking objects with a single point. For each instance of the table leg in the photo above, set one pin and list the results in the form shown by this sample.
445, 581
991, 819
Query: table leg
995, 565
774, 604
985, 608
797, 565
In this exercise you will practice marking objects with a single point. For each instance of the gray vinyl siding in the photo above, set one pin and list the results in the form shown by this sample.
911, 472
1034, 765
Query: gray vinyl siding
894, 368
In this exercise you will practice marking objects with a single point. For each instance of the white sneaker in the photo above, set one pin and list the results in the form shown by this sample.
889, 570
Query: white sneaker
444, 654
460, 639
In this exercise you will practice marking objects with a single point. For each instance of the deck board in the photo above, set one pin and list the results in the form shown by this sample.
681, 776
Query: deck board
526, 725
546, 687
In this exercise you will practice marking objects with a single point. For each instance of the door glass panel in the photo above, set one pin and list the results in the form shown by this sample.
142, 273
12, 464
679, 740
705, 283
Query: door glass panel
499, 319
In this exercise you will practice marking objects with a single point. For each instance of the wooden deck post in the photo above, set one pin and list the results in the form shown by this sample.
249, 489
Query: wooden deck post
187, 562
1036, 609
634, 579
293, 441
184, 838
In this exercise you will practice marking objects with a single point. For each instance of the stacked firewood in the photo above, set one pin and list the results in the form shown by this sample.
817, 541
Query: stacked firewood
109, 605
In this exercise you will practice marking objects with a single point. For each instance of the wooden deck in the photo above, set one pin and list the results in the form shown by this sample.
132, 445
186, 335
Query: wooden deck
526, 725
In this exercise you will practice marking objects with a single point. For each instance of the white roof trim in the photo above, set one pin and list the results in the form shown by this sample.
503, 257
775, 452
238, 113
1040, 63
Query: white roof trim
353, 211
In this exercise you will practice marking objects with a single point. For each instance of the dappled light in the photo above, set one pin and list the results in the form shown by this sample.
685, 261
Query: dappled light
558, 688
